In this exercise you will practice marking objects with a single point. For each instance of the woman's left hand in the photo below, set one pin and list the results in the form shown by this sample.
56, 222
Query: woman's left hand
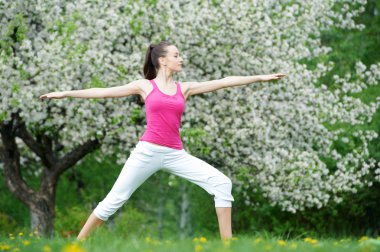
270, 77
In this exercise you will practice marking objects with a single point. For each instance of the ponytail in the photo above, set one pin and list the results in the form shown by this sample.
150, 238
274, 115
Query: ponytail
151, 64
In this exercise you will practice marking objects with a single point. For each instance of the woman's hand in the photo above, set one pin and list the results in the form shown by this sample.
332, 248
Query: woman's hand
270, 77
53, 95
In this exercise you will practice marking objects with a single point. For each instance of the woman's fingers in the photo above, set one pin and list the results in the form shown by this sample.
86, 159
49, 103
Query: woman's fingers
280, 75
46, 96
55, 95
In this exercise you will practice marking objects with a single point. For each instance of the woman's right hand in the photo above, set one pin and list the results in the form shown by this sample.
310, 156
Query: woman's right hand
53, 95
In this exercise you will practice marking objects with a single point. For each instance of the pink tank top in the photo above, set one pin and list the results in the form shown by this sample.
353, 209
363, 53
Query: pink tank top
163, 116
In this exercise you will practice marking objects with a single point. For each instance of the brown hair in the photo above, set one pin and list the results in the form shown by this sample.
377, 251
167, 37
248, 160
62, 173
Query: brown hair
151, 64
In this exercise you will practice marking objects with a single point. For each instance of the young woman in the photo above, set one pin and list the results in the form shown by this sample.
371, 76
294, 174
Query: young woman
160, 147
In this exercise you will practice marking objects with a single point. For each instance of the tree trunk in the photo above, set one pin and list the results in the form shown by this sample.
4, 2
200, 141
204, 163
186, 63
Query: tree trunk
185, 218
41, 203
42, 216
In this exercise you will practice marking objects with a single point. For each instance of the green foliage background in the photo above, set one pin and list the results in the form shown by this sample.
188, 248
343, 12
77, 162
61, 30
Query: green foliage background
82, 187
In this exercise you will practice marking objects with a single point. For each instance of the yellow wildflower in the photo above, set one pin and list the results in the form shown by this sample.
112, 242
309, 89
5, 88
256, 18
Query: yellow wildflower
293, 245
30, 234
21, 234
26, 242
12, 237
258, 240
46, 248
198, 248
5, 247
202, 239
16, 250
281, 243
307, 239
226, 243
195, 239
268, 247
363, 238
310, 240
73, 248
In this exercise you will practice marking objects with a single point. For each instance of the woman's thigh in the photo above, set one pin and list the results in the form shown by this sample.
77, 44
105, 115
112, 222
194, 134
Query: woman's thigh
197, 171
140, 165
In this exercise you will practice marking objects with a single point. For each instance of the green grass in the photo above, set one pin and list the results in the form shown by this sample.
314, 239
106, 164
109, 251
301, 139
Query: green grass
103, 240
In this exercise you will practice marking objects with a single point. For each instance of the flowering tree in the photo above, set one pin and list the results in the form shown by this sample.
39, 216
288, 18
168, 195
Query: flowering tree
271, 135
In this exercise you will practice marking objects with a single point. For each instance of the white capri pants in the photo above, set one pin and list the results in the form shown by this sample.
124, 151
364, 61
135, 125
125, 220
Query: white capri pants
146, 159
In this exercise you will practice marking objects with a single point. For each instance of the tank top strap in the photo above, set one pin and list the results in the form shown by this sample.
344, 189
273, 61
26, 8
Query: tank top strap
154, 85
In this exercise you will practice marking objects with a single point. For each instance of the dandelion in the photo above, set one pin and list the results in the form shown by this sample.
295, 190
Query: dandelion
202, 239
281, 243
198, 248
226, 243
258, 240
46, 248
363, 238
293, 245
20, 234
195, 239
268, 247
73, 248
26, 242
310, 240
307, 239
5, 247
16, 250
30, 234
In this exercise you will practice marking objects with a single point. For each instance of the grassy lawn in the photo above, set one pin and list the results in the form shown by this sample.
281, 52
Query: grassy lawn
103, 240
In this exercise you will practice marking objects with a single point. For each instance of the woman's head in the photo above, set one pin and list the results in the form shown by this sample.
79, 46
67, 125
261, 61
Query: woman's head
164, 55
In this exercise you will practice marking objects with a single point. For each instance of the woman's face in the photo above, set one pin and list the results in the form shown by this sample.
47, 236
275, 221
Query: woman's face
172, 60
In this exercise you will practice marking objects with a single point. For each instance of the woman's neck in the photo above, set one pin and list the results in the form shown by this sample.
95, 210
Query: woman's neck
165, 78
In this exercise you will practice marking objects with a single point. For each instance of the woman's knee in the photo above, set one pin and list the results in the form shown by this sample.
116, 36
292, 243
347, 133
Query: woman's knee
222, 186
222, 189
220, 179
110, 204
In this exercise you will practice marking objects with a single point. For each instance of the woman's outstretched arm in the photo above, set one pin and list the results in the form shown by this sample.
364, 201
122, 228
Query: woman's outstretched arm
112, 92
193, 88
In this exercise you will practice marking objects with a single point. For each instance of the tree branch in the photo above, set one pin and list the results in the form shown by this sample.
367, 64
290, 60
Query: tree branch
44, 150
75, 155
10, 156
